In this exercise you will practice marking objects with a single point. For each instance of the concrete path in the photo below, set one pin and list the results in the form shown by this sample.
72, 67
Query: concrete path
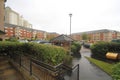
7, 72
88, 71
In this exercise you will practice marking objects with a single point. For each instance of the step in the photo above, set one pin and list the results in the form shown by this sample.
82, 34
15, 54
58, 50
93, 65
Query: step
7, 72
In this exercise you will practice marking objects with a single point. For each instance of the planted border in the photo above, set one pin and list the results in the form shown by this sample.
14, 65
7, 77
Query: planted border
100, 49
116, 71
102, 65
49, 54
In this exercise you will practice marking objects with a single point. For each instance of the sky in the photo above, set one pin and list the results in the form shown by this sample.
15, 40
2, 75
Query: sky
53, 15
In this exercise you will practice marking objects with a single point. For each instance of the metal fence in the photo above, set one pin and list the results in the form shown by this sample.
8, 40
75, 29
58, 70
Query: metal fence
72, 73
44, 71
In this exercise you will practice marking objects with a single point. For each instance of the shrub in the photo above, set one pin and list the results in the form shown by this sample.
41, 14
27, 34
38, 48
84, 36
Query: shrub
75, 48
100, 49
116, 72
68, 60
52, 54
12, 39
47, 53
3, 47
10, 48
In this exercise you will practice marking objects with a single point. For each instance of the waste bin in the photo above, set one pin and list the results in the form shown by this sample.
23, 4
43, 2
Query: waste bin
111, 55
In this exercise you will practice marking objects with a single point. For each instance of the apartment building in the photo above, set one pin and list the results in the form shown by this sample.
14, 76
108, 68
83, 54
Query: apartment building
40, 34
12, 17
9, 30
17, 31
2, 7
98, 35
51, 35
23, 32
16, 26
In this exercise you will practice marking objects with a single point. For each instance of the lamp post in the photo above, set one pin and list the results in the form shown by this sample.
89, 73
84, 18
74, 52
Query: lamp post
70, 30
70, 23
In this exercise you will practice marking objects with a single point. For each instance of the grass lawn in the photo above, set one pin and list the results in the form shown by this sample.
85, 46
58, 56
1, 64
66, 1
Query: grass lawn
103, 65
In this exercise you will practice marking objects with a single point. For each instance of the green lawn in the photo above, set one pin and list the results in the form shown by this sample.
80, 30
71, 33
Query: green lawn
103, 65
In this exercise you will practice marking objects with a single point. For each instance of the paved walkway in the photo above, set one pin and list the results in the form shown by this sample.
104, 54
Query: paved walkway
7, 72
88, 71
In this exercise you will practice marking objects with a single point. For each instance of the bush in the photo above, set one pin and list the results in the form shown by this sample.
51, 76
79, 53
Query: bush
68, 60
116, 72
12, 39
75, 48
100, 49
47, 53
10, 48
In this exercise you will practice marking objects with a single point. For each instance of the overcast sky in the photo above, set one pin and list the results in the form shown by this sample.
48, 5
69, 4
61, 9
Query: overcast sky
53, 15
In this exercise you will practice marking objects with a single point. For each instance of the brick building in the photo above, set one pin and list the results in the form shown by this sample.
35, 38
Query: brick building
23, 32
16, 26
98, 35
51, 35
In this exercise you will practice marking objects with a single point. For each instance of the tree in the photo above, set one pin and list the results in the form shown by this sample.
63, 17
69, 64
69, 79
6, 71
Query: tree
84, 36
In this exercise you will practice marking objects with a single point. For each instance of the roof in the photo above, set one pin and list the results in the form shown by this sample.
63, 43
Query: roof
9, 25
97, 31
15, 26
62, 38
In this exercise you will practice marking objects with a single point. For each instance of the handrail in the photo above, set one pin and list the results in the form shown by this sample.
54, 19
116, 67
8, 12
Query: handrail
70, 69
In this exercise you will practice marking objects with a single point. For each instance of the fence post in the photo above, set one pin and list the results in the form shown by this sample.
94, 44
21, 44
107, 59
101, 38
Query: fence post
78, 72
20, 61
30, 67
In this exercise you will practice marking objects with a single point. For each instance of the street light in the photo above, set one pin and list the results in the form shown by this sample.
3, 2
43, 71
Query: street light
70, 23
70, 30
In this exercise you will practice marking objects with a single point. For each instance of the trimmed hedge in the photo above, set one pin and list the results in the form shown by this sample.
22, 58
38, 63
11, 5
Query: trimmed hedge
100, 49
49, 54
7, 48
75, 48
116, 72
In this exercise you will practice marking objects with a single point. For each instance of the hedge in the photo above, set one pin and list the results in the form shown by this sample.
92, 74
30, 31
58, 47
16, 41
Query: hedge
75, 48
100, 49
49, 54
116, 72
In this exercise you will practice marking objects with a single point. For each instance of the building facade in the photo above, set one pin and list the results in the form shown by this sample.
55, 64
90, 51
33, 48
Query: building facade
49, 36
16, 26
23, 32
2, 12
97, 35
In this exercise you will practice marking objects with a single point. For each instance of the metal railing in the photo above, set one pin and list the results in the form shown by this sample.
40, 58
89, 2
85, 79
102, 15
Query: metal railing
72, 72
58, 72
